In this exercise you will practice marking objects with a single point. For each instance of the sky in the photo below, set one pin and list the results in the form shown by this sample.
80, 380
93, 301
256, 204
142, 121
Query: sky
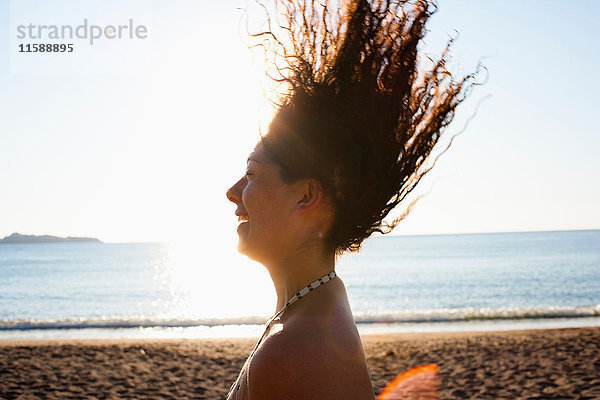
138, 140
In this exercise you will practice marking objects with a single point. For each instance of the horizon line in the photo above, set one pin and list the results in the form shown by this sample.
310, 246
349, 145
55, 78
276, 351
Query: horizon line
394, 235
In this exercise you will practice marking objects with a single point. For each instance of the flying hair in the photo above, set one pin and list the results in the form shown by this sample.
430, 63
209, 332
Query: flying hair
355, 107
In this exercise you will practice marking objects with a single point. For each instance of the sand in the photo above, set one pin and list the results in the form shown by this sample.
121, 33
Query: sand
542, 364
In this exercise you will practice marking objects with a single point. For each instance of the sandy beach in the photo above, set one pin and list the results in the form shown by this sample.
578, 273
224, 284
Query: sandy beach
536, 364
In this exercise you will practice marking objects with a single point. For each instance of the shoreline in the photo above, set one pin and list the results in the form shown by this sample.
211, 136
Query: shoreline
546, 363
255, 330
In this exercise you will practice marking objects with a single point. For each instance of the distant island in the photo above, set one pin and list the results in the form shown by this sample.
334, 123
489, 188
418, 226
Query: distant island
18, 238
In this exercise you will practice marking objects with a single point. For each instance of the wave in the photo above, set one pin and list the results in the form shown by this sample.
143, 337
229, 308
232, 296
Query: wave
125, 322
422, 316
479, 314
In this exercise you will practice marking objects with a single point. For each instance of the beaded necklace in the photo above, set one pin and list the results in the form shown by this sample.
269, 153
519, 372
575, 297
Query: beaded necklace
303, 292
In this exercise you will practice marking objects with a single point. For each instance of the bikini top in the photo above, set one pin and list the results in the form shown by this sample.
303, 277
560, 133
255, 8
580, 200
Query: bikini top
235, 392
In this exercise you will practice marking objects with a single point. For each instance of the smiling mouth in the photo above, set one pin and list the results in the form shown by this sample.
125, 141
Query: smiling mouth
243, 218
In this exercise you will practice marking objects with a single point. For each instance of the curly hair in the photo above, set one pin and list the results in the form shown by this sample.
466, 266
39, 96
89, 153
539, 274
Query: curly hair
357, 112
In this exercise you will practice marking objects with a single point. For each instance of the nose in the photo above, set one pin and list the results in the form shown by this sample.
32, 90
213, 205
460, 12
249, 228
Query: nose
234, 193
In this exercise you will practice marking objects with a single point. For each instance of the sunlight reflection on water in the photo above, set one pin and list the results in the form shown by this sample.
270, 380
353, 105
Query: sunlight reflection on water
214, 284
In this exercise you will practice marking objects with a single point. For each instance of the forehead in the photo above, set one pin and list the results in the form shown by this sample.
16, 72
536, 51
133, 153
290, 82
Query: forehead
257, 154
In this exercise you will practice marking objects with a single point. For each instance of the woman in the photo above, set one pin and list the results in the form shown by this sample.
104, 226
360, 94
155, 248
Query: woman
355, 125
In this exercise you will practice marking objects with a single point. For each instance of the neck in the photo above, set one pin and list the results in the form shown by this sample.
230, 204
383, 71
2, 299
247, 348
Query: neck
294, 273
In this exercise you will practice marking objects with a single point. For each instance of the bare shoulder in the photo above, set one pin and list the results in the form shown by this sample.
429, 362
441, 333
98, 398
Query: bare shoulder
311, 360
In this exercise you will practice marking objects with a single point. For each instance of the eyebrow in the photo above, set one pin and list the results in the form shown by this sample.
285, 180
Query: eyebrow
252, 158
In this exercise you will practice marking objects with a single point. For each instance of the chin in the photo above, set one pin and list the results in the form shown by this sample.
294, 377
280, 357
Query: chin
241, 248
245, 249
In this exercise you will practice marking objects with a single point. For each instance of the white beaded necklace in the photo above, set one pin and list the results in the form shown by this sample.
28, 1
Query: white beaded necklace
306, 290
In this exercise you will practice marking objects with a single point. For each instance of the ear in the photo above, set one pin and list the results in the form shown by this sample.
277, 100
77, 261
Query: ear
311, 195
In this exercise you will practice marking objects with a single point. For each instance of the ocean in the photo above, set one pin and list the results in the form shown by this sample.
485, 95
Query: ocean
456, 282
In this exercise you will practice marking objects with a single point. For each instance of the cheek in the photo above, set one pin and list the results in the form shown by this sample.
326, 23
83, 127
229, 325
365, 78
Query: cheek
265, 207
253, 200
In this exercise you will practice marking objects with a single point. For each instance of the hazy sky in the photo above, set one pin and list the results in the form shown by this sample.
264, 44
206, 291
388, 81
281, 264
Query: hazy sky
139, 141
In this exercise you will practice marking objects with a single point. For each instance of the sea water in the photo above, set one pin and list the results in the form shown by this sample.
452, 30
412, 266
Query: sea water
396, 283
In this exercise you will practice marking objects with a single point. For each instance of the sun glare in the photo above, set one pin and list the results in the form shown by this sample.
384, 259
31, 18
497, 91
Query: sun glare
209, 280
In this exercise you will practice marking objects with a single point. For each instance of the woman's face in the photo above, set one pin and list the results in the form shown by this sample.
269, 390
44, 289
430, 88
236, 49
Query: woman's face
265, 206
